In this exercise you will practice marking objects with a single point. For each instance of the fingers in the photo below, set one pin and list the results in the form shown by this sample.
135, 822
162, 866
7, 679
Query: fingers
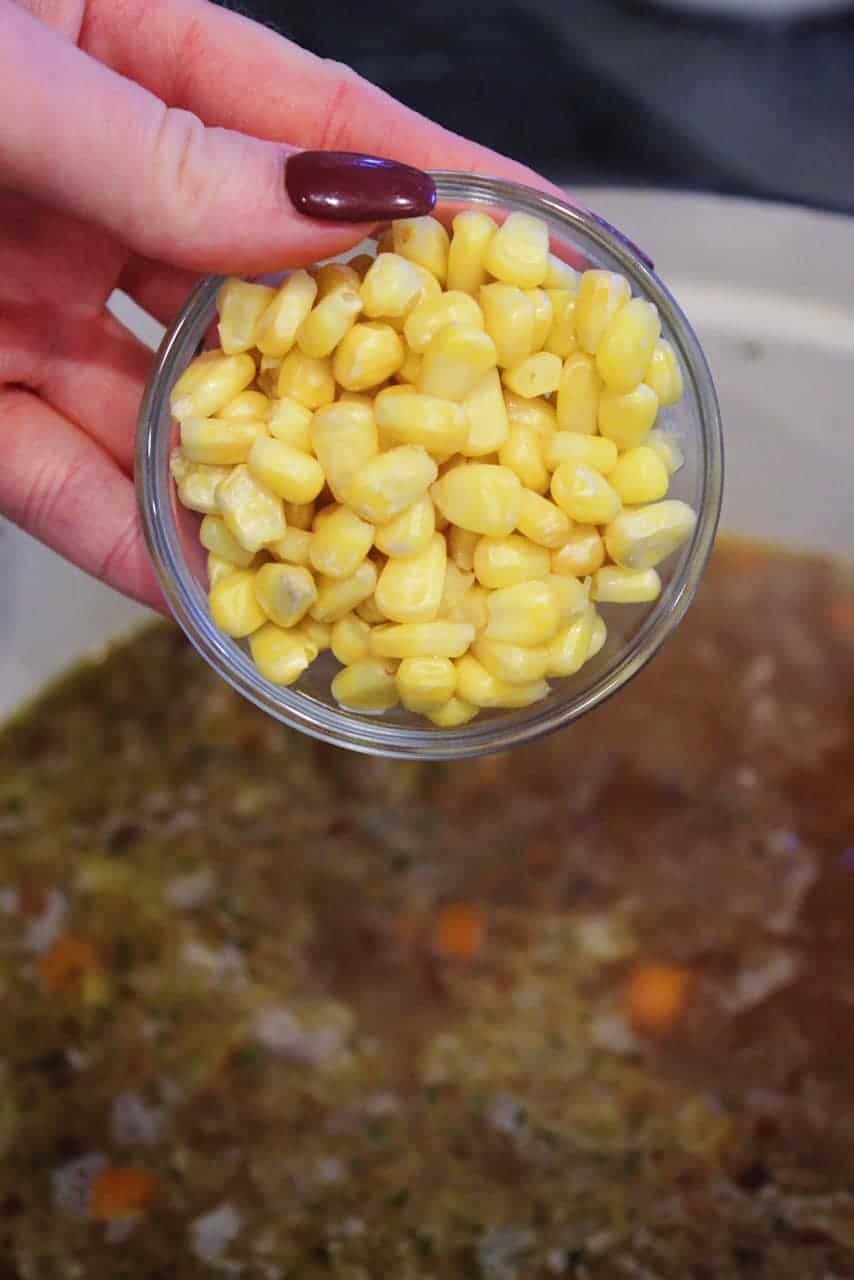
62, 488
159, 290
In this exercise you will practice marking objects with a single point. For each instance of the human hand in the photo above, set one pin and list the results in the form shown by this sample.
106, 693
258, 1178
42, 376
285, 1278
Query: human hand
143, 142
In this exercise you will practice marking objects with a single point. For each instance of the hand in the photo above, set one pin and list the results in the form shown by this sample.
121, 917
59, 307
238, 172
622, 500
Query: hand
141, 143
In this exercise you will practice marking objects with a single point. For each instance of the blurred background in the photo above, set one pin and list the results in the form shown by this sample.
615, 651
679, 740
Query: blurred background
746, 97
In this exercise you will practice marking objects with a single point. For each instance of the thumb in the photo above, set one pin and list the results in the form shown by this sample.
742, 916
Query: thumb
78, 136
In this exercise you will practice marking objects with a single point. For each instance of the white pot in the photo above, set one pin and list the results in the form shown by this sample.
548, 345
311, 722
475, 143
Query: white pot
770, 290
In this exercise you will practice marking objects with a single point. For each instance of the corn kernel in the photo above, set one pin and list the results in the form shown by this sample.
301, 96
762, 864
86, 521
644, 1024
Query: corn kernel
410, 590
664, 374
431, 315
481, 498
481, 688
285, 592
268, 374
502, 562
215, 537
218, 442
337, 596
276, 330
209, 383
370, 613
410, 369
240, 306
570, 446
350, 639
251, 511
570, 648
486, 416
299, 515
426, 684
536, 375
471, 607
582, 553
454, 714
340, 542
528, 613
510, 316
615, 585
601, 294
405, 416
281, 656
457, 584
366, 685
294, 546
668, 447
455, 361
472, 232
410, 532
561, 339
390, 482
368, 354
643, 537
518, 253
438, 639
317, 635
598, 636
328, 321
627, 345
306, 379
512, 663
233, 605
333, 276
584, 494
218, 568
344, 438
425, 241
572, 596
560, 275
391, 287
197, 489
522, 453
361, 263
536, 413
640, 476
543, 316
251, 406
578, 395
461, 547
288, 472
290, 422
627, 419
542, 521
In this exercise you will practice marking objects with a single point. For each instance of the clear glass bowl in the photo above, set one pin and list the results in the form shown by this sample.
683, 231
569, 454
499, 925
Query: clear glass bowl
634, 632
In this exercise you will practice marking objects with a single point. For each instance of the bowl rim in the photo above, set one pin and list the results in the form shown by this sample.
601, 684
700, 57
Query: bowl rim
372, 735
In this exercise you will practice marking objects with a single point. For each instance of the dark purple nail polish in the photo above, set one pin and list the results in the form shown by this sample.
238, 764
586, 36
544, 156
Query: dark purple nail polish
343, 186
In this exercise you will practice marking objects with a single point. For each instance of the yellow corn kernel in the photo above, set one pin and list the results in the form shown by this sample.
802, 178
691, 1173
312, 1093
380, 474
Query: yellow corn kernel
560, 275
197, 488
390, 482
543, 316
522, 453
584, 494
439, 639
410, 369
361, 263
481, 498
281, 656
664, 374
340, 542
215, 537
454, 714
471, 607
455, 361
570, 446
369, 612
528, 614
218, 568
601, 294
293, 547
598, 636
582, 553
431, 315
457, 584
668, 447
536, 375
511, 663
337, 596
209, 383
328, 321
285, 592
368, 354
405, 416
614, 585
542, 521
307, 379
430, 287
391, 287
643, 537
536, 413
518, 253
510, 316
640, 476
288, 472
251, 511
627, 345
627, 419
240, 306
268, 375
366, 685
350, 639
410, 532
299, 515
410, 590
578, 395
334, 276
344, 438
425, 241
251, 406
561, 339
481, 688
426, 684
472, 232
233, 605
570, 648
218, 442
502, 562
461, 547
317, 635
290, 422
572, 596
276, 330
486, 415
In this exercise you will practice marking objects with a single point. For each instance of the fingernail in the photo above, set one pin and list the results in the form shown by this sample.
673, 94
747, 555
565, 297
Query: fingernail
343, 186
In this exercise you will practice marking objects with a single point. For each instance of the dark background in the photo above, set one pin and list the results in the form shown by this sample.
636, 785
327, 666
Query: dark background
611, 90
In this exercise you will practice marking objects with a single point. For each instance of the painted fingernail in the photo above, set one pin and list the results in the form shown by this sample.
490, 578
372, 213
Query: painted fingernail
343, 186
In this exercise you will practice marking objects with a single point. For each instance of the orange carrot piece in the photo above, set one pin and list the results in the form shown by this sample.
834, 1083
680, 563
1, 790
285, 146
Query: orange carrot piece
657, 996
67, 962
121, 1192
460, 931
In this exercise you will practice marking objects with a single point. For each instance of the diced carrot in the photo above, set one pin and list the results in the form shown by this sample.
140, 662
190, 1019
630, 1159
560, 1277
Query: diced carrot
121, 1192
67, 962
842, 615
657, 996
460, 931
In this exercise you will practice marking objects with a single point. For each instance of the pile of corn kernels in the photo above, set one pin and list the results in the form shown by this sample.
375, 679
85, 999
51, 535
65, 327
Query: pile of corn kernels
435, 462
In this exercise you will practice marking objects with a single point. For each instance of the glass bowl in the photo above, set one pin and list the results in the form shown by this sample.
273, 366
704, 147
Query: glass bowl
635, 632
